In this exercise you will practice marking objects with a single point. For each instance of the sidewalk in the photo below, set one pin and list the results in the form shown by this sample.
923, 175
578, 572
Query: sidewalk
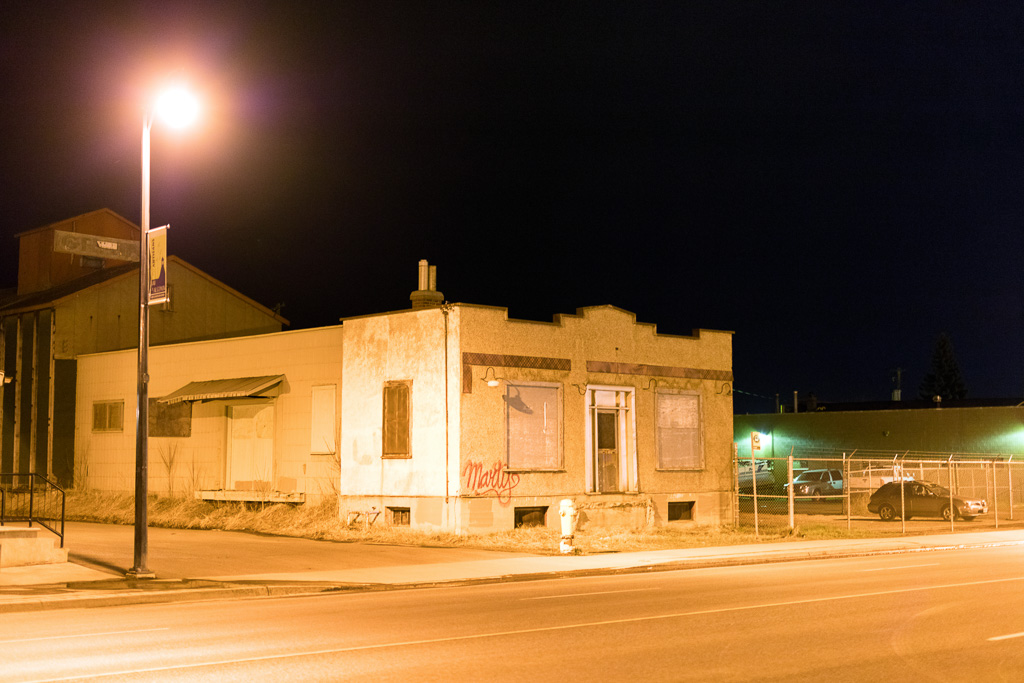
335, 566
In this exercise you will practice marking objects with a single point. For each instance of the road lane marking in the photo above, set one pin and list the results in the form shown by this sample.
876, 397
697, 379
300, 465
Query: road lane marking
906, 566
1008, 637
81, 635
539, 629
577, 595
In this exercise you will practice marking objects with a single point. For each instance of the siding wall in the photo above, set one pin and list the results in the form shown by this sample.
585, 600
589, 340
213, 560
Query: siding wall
305, 357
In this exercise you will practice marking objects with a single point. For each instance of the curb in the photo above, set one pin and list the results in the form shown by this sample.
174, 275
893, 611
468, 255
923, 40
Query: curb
677, 565
83, 599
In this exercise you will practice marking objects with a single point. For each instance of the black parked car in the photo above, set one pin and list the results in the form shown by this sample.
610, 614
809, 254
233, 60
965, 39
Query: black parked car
923, 499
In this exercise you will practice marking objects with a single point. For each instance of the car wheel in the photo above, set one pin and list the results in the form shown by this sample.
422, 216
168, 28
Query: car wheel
947, 513
887, 512
818, 496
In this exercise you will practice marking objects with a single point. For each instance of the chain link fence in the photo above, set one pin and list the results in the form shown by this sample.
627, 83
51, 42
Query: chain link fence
909, 492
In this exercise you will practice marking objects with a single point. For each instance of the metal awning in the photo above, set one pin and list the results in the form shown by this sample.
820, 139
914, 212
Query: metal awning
238, 387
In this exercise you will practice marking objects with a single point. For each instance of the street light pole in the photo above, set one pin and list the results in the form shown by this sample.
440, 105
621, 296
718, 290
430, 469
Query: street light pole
139, 569
178, 108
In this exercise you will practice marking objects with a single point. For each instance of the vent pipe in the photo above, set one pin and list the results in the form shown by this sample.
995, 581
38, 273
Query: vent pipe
427, 295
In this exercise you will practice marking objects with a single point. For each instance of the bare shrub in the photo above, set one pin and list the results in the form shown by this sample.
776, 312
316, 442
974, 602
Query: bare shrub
169, 456
193, 477
80, 475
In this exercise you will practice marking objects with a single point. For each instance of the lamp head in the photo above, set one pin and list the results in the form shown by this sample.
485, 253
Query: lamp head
177, 107
491, 378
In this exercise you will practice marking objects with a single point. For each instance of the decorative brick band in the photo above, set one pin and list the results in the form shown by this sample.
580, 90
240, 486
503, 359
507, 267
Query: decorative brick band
657, 370
504, 360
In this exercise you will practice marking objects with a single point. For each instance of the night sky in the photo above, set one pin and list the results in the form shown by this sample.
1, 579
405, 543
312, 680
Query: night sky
837, 183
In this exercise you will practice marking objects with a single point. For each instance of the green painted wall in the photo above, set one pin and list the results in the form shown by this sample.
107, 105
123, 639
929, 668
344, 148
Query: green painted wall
995, 430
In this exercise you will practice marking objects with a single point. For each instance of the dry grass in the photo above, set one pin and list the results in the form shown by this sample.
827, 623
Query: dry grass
322, 522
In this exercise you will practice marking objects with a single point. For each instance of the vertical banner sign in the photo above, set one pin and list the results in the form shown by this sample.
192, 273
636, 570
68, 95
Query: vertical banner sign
158, 265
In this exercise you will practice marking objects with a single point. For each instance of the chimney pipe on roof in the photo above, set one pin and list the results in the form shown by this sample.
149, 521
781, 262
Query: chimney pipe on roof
424, 270
427, 295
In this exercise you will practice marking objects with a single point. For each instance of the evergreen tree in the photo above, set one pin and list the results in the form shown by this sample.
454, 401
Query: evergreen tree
944, 378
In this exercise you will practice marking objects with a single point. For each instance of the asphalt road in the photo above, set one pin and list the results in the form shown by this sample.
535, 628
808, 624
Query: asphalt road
942, 615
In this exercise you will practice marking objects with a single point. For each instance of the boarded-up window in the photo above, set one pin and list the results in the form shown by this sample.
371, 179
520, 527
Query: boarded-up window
108, 416
679, 432
533, 429
397, 403
322, 431
174, 420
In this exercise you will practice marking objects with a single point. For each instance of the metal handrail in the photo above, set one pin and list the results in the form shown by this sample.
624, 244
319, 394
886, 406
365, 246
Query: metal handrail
45, 519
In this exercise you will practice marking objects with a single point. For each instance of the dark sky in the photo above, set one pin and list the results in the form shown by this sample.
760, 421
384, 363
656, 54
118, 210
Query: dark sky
837, 183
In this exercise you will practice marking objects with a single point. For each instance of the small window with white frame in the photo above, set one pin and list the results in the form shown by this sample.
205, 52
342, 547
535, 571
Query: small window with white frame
533, 426
108, 416
678, 431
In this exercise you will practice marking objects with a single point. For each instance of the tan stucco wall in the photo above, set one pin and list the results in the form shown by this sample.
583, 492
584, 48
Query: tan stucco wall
305, 357
605, 334
408, 345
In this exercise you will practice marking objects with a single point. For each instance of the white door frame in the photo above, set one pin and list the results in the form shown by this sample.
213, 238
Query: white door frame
625, 403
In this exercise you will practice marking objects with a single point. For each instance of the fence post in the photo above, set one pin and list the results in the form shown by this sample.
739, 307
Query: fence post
753, 479
995, 491
952, 511
903, 497
846, 491
736, 483
1009, 482
789, 475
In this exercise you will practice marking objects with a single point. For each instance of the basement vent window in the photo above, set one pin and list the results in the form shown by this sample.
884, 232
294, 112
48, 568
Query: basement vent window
533, 516
680, 511
399, 516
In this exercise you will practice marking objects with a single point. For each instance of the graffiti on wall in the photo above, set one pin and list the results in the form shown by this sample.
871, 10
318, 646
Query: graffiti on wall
480, 480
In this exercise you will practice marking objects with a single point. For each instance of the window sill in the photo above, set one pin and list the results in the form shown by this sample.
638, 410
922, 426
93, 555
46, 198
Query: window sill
396, 457
519, 470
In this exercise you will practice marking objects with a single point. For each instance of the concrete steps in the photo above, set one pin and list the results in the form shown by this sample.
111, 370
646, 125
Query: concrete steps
25, 546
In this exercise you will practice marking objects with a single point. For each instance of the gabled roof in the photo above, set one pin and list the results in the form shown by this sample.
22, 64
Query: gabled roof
64, 221
47, 297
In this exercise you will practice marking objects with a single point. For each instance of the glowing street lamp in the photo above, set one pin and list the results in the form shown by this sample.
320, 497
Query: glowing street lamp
178, 108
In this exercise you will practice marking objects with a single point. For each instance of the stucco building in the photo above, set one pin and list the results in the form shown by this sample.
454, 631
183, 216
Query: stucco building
443, 416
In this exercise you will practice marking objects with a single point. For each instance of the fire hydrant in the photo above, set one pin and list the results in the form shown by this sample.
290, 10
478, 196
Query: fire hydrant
568, 513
